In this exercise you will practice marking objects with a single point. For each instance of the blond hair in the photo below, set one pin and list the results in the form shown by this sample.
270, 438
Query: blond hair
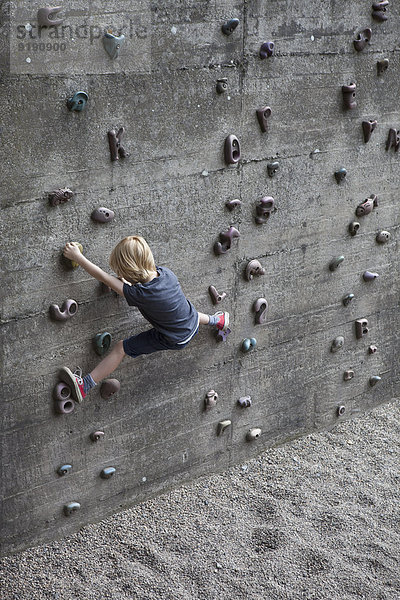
132, 259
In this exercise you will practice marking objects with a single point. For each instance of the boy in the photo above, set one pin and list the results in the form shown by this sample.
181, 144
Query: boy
156, 292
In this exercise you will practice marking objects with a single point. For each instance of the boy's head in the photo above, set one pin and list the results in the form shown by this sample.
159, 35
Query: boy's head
133, 260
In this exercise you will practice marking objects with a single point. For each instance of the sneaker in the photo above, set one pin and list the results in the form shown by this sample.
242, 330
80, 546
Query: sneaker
223, 320
75, 381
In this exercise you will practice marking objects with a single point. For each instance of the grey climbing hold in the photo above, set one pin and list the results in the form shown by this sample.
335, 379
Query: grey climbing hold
102, 215
340, 175
77, 102
337, 343
45, 16
71, 507
341, 411
354, 227
374, 380
60, 196
260, 307
272, 168
107, 472
96, 436
211, 399
248, 344
253, 434
223, 426
64, 470
244, 402
347, 375
347, 299
383, 237
335, 263
369, 276
113, 44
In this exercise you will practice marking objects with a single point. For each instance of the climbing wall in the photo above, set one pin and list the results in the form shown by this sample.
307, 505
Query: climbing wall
307, 186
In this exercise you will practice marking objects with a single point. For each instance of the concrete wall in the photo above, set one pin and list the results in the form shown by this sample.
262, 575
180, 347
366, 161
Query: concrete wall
172, 190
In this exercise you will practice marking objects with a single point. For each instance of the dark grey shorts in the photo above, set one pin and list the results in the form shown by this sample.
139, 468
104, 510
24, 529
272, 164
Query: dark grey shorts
150, 341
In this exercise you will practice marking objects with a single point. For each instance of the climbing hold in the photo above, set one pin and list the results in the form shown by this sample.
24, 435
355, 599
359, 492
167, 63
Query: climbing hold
349, 96
340, 174
117, 150
264, 208
393, 140
253, 434
231, 204
68, 309
368, 127
347, 375
272, 168
44, 16
372, 349
229, 27
337, 343
253, 269
354, 227
244, 401
102, 343
216, 297
262, 115
347, 299
61, 391
367, 206
362, 39
232, 150
222, 426
102, 215
222, 85
225, 242
267, 49
109, 387
74, 264
369, 276
341, 410
361, 328
223, 334
335, 263
107, 472
77, 102
211, 399
260, 307
96, 436
64, 470
71, 508
374, 380
383, 237
248, 344
59, 196
113, 44
382, 65
379, 10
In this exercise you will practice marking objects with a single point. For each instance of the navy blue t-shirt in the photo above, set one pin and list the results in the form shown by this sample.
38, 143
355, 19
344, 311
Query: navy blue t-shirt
162, 302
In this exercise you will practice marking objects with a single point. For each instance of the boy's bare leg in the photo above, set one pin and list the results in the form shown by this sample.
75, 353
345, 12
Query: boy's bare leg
203, 319
109, 363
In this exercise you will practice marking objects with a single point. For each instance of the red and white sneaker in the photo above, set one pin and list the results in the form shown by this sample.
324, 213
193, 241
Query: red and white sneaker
75, 381
223, 320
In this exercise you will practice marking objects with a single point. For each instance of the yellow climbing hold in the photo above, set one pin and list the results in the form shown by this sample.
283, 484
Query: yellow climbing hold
73, 263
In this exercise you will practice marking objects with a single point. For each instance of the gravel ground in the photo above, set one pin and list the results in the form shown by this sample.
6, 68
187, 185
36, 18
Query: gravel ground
318, 518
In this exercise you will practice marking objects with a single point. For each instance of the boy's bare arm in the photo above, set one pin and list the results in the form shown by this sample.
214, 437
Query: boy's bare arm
72, 252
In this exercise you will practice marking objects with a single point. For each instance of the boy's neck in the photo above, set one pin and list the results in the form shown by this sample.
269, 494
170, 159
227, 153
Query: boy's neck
153, 275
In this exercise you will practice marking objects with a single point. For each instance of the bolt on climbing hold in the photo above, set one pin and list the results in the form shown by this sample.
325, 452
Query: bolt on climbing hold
340, 175
383, 237
109, 387
362, 39
229, 27
117, 150
347, 375
382, 65
253, 434
349, 96
347, 299
248, 344
335, 263
374, 380
223, 334
78, 101
260, 307
272, 168
367, 206
44, 16
368, 127
232, 150
225, 242
244, 402
64, 404
264, 209
60, 196
253, 269
222, 85
267, 49
393, 140
70, 508
222, 426
372, 349
69, 308
262, 116
102, 343
211, 399
361, 328
102, 215
341, 410
96, 436
216, 297
369, 276
64, 470
113, 44
232, 204
354, 226
379, 10
337, 343
107, 472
